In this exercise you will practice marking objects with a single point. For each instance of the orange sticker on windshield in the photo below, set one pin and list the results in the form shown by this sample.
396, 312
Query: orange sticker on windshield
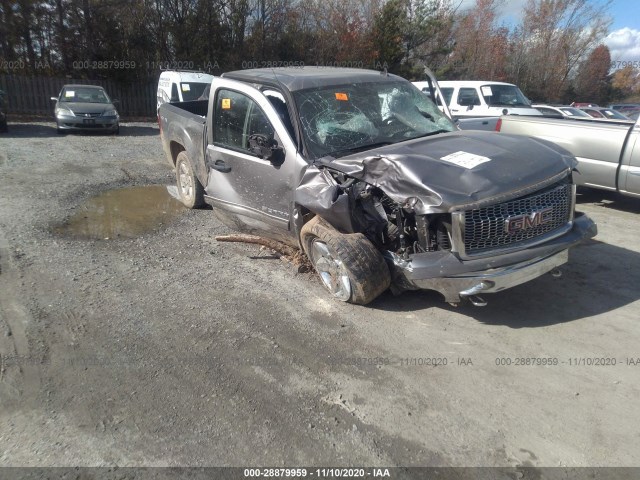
342, 96
226, 103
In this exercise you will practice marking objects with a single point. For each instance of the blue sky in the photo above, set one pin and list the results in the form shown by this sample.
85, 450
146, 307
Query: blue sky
624, 35
624, 39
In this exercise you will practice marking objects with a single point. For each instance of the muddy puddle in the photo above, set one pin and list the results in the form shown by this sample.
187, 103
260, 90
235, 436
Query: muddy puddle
122, 213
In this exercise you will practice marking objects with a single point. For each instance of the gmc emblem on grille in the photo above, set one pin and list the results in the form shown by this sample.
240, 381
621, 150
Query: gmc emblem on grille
518, 223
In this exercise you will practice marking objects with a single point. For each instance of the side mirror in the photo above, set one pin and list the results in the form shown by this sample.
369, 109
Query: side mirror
55, 99
266, 148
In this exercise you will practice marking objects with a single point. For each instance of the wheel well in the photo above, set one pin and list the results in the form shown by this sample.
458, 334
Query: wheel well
175, 149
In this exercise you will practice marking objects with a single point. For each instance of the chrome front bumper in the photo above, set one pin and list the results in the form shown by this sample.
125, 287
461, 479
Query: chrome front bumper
456, 279
495, 280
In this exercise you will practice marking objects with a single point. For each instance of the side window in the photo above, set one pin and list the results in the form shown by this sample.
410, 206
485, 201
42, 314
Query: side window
468, 96
174, 93
280, 106
447, 93
236, 118
257, 124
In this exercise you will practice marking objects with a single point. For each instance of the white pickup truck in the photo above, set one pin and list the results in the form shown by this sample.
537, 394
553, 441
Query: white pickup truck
477, 105
608, 152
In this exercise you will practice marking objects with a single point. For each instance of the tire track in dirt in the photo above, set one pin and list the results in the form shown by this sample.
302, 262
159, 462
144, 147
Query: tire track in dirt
19, 371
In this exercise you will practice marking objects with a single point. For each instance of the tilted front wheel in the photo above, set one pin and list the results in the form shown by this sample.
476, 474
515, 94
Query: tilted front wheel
190, 190
349, 265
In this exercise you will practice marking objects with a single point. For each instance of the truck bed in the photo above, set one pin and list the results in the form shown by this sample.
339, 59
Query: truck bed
183, 126
597, 145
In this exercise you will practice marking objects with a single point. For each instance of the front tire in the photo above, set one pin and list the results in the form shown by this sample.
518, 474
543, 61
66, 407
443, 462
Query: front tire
190, 190
349, 265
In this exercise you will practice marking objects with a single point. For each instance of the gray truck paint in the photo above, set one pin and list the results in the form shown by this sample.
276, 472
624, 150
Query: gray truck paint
608, 153
275, 200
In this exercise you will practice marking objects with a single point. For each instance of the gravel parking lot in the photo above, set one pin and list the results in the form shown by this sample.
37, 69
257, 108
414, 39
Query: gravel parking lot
161, 347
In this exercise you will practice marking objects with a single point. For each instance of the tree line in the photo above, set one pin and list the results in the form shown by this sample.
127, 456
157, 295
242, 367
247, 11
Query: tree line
553, 52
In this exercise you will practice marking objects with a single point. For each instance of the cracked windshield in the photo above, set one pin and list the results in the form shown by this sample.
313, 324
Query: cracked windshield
340, 120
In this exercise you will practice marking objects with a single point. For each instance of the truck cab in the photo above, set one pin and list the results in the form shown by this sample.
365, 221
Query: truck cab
478, 104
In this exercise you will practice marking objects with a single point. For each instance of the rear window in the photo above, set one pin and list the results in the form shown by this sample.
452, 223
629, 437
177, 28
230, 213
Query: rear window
194, 91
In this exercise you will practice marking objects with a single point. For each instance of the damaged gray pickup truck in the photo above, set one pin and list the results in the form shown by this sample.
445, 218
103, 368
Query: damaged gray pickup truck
364, 173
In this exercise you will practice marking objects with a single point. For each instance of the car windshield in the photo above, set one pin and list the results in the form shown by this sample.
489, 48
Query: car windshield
194, 91
504, 95
344, 119
84, 95
574, 112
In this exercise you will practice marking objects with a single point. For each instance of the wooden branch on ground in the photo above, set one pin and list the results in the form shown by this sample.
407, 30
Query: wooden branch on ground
272, 244
293, 255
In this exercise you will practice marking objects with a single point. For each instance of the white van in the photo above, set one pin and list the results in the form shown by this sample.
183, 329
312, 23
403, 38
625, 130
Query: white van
183, 86
483, 99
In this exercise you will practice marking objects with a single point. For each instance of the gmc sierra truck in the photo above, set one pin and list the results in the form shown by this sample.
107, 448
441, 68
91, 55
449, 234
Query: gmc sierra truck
608, 152
379, 188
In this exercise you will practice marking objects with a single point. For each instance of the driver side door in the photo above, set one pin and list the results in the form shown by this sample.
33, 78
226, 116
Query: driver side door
256, 191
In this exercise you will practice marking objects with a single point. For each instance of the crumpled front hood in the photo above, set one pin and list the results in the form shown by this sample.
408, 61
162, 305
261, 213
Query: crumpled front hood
416, 168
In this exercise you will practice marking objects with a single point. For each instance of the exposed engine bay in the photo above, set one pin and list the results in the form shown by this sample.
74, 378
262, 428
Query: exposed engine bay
390, 225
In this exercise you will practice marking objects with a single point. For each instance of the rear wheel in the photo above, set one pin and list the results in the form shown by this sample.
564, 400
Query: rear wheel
190, 190
349, 265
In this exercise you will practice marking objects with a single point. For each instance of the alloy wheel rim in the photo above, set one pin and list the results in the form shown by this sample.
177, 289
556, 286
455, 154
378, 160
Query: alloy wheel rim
186, 186
332, 271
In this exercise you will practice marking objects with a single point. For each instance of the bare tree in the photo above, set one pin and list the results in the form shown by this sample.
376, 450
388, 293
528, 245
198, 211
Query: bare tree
555, 36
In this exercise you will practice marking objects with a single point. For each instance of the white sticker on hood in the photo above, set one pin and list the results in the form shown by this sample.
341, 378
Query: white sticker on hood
465, 159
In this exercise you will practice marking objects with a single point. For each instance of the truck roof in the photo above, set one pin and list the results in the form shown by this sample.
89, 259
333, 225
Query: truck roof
186, 76
470, 83
299, 78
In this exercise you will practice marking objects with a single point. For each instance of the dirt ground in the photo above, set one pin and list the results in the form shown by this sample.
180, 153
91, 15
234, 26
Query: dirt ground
170, 349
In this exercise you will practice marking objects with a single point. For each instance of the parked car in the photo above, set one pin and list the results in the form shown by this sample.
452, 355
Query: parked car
85, 108
608, 151
3, 112
380, 189
561, 111
622, 107
604, 113
182, 86
478, 104
632, 114
583, 104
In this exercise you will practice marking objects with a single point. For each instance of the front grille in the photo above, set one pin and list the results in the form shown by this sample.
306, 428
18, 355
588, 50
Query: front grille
485, 229
87, 115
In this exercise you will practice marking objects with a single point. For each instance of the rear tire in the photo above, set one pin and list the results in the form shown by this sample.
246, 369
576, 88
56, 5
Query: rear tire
190, 190
349, 265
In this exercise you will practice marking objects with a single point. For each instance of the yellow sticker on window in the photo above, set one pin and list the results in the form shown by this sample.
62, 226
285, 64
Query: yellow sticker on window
342, 96
226, 103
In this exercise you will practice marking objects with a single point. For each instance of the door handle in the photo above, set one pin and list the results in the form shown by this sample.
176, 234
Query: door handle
220, 165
